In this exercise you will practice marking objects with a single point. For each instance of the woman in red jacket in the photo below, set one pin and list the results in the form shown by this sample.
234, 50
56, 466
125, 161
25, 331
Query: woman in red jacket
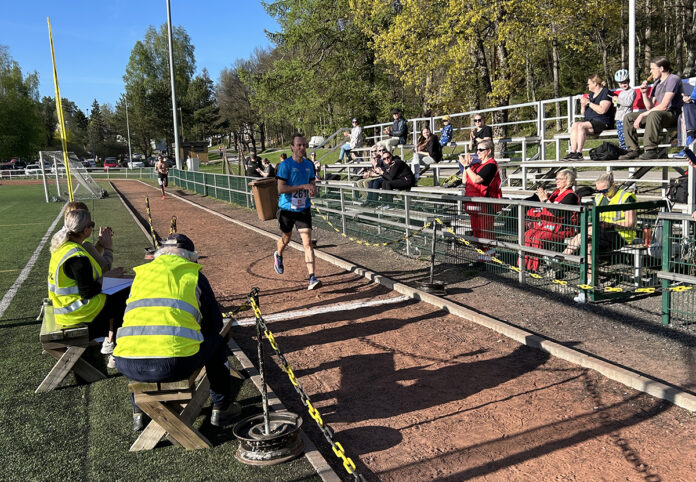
551, 225
482, 179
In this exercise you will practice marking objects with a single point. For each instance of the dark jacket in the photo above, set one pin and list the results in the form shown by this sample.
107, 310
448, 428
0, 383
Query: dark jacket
433, 148
398, 169
400, 129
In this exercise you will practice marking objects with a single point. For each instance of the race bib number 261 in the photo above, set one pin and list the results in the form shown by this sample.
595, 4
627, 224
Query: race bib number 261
299, 199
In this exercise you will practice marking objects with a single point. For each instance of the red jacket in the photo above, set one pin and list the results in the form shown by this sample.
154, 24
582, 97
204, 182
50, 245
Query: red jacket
479, 190
552, 221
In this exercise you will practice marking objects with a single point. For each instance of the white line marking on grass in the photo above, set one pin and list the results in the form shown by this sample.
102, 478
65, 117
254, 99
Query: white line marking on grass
7, 299
289, 315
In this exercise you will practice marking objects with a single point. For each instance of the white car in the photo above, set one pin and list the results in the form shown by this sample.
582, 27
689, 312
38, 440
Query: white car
316, 141
136, 164
32, 170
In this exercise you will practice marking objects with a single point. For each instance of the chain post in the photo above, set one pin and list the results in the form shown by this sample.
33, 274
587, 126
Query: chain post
253, 299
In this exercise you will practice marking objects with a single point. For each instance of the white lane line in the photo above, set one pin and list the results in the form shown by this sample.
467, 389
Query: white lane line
290, 315
7, 299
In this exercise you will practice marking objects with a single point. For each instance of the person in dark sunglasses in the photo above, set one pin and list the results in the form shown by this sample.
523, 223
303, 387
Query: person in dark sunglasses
616, 228
480, 132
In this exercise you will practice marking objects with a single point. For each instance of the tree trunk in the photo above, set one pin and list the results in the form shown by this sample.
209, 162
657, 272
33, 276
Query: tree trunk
679, 37
623, 38
556, 68
648, 33
262, 135
690, 37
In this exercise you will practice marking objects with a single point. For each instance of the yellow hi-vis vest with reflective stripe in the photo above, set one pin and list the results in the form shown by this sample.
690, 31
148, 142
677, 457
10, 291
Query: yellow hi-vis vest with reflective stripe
162, 318
68, 306
621, 197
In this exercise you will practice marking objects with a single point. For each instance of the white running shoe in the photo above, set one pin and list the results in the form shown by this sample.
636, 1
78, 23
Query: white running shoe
107, 347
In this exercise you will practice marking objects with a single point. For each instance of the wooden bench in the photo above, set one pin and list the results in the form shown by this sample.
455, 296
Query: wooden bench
66, 344
173, 407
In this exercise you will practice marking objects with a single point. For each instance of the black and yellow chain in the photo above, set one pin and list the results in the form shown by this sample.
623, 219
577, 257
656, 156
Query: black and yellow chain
172, 226
155, 241
585, 287
328, 432
368, 243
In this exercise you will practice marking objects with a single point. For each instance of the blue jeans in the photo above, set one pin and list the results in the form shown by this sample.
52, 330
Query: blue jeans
212, 354
620, 132
689, 112
376, 184
345, 151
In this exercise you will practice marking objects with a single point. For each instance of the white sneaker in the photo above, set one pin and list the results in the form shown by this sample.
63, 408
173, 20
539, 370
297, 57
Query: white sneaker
581, 298
107, 347
111, 363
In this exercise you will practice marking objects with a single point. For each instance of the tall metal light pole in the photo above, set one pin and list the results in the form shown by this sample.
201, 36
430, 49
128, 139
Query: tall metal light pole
181, 119
130, 154
171, 77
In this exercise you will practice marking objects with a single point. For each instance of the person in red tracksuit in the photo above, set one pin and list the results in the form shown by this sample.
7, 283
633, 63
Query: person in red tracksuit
551, 225
482, 179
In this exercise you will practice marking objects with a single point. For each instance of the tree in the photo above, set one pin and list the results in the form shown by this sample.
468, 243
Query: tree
201, 101
22, 130
148, 82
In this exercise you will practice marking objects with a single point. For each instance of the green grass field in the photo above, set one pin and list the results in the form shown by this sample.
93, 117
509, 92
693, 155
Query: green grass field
83, 432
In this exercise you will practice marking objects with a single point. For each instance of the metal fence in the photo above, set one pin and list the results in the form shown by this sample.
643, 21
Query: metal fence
678, 249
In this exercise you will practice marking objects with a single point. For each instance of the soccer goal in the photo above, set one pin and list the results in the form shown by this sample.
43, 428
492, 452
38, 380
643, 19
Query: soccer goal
57, 185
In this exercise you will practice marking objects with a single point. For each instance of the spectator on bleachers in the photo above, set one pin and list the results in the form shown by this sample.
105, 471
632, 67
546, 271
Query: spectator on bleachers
428, 151
397, 132
624, 103
446, 131
482, 179
598, 112
372, 178
616, 228
396, 173
689, 113
356, 140
664, 107
480, 132
551, 225
266, 169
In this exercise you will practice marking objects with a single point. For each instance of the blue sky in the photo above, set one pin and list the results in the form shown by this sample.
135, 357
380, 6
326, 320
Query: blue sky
93, 39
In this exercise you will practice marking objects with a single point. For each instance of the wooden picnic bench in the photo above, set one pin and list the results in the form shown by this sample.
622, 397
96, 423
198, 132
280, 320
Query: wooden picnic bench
66, 344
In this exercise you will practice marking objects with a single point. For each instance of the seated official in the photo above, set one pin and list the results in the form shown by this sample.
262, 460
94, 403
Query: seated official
616, 228
75, 280
171, 328
551, 225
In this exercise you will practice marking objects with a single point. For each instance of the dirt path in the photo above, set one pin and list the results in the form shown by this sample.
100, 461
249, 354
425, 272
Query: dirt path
416, 394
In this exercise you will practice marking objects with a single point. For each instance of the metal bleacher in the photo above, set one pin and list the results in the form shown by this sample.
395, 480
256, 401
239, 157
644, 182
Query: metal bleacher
531, 151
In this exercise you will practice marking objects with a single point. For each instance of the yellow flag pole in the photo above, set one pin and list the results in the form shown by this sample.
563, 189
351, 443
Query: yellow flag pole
61, 119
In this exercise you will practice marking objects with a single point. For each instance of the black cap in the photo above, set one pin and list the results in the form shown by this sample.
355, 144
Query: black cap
396, 111
180, 241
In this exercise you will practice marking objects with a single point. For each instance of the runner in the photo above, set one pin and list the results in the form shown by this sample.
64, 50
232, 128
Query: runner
162, 170
296, 184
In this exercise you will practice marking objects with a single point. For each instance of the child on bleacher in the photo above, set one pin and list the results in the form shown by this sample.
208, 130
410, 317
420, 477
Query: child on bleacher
624, 103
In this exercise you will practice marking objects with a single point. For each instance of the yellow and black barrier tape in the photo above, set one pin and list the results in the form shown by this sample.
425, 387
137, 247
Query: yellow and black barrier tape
327, 431
155, 241
369, 243
172, 226
584, 287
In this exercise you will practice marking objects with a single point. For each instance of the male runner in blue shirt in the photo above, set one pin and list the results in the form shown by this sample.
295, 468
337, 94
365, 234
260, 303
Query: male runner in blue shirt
296, 184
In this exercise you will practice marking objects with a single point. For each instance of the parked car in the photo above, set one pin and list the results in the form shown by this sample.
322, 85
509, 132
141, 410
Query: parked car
315, 141
32, 169
89, 163
135, 164
110, 163
17, 164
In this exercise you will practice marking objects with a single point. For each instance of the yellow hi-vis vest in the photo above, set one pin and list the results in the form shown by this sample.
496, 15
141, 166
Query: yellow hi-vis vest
69, 308
621, 197
162, 317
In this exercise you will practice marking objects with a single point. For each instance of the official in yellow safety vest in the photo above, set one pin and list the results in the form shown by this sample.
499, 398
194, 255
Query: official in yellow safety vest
75, 280
171, 328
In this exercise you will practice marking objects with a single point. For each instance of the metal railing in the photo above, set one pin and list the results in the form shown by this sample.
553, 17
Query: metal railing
678, 248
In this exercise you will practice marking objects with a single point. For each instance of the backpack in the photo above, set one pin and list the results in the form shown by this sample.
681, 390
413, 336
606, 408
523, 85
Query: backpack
606, 152
678, 191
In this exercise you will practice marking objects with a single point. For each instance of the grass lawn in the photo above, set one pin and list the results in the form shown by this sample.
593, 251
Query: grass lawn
83, 432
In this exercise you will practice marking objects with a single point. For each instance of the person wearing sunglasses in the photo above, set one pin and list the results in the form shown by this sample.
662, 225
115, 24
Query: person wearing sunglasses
397, 132
396, 173
482, 179
597, 110
480, 132
356, 140
75, 280
616, 228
